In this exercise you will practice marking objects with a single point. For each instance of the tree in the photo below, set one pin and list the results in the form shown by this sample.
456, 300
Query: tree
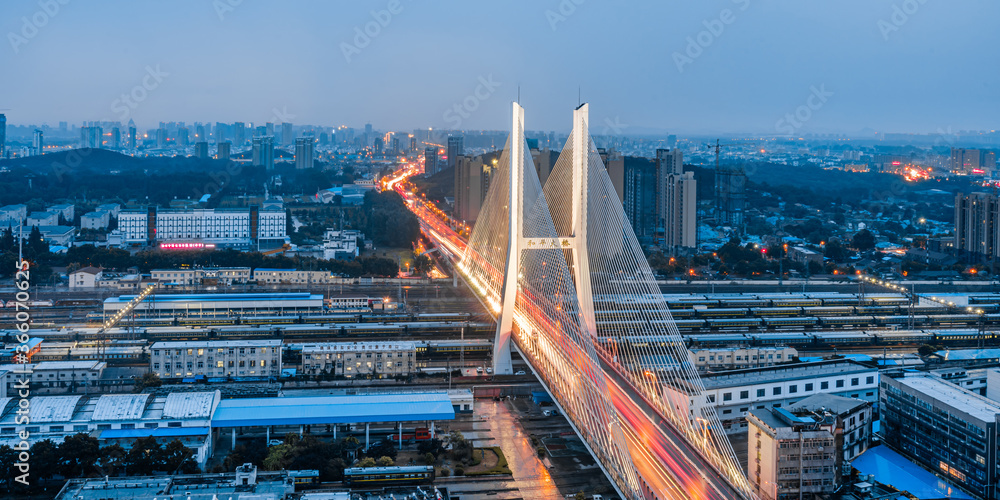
429, 458
44, 460
111, 460
36, 247
835, 251
385, 462
147, 381
461, 448
366, 462
79, 454
8, 471
278, 457
176, 457
863, 240
926, 350
580, 496
144, 457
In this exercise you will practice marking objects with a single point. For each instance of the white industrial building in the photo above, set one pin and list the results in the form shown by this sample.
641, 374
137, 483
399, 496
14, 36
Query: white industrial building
734, 393
237, 228
358, 359
117, 419
247, 359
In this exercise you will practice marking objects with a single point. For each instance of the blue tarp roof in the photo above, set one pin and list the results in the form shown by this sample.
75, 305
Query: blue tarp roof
893, 469
157, 432
333, 410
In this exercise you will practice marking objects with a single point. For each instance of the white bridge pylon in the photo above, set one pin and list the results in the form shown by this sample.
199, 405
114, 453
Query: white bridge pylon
515, 263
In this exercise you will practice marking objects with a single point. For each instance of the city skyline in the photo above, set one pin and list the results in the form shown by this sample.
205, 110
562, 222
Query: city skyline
328, 71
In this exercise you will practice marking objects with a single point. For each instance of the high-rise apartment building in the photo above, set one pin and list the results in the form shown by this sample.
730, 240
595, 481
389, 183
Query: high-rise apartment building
161, 138
977, 225
239, 134
223, 150
201, 150
287, 134
116, 138
676, 203
304, 154
3, 135
183, 137
37, 143
133, 136
973, 161
472, 181
455, 149
791, 455
199, 133
430, 160
634, 180
730, 196
263, 152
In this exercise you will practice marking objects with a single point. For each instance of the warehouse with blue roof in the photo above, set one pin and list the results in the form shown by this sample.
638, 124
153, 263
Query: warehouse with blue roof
297, 413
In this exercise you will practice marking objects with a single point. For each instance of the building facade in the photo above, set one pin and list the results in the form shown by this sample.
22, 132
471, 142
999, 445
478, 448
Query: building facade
359, 359
736, 358
95, 220
203, 276
247, 359
248, 229
791, 456
734, 393
945, 428
677, 200
263, 152
86, 277
977, 225
304, 152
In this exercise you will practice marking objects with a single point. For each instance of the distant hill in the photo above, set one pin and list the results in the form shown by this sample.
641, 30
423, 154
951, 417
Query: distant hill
103, 161
438, 186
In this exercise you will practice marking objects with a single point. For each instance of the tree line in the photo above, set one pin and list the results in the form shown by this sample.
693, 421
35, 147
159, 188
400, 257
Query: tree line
81, 455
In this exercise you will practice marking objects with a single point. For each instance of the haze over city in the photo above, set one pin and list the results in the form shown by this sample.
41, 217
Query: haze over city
229, 60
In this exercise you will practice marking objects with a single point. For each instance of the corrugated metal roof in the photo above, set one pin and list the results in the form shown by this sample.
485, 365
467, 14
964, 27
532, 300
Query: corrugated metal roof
189, 404
333, 409
53, 408
120, 407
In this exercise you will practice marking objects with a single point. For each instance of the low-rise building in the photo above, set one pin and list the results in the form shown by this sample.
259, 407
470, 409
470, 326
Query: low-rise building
791, 455
46, 218
734, 358
53, 235
111, 208
203, 276
219, 304
269, 276
734, 393
944, 427
54, 376
117, 419
358, 359
853, 424
95, 220
247, 359
66, 210
341, 245
86, 277
246, 483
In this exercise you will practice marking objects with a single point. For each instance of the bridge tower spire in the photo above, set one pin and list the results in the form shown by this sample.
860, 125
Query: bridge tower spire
581, 260
515, 244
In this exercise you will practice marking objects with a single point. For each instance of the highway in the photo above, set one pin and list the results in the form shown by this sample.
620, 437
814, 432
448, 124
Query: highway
669, 466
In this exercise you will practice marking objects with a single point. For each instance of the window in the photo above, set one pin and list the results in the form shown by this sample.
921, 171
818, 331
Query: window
776, 391
840, 383
793, 388
809, 387
760, 393
871, 380
824, 386
744, 394
728, 396
854, 382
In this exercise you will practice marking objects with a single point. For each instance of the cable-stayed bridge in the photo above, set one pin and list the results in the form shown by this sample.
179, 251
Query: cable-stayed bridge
547, 262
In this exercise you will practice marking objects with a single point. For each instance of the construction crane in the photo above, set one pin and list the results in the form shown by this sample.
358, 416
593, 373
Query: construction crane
730, 190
